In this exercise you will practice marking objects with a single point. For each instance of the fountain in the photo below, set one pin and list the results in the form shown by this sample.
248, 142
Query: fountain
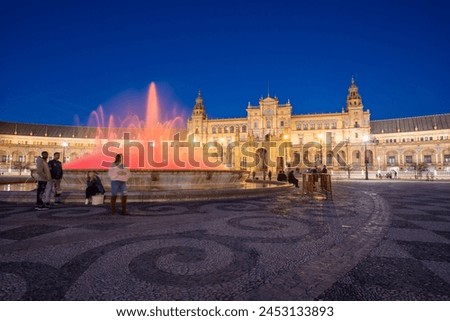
164, 164
153, 151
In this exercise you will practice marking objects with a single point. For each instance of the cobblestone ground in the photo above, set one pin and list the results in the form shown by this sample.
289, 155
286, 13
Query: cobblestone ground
375, 241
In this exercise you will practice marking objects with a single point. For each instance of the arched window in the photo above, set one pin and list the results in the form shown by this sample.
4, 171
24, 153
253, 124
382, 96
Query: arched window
214, 130
232, 129
244, 129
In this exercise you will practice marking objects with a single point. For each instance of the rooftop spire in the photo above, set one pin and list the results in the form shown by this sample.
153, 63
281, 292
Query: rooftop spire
353, 97
199, 108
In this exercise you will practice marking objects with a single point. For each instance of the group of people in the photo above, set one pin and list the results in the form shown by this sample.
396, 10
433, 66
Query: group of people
49, 176
291, 179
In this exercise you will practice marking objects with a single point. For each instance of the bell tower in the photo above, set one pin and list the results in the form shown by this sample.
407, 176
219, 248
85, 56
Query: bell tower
354, 101
197, 123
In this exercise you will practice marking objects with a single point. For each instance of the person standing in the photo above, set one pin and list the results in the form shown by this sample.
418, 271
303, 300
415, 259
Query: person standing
270, 175
119, 175
324, 169
56, 171
43, 178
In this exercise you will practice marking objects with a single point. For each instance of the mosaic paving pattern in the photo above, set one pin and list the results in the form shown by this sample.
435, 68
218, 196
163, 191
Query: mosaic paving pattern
366, 244
413, 260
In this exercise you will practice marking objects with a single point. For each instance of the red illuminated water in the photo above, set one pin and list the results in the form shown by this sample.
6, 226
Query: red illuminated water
150, 141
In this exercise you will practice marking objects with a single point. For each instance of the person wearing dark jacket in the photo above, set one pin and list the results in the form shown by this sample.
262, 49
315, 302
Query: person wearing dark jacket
94, 186
292, 179
56, 171
281, 177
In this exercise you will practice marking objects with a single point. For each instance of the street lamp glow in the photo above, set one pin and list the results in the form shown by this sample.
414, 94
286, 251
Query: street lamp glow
286, 136
365, 138
64, 144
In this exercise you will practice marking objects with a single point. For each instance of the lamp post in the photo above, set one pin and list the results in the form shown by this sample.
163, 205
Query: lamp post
366, 160
64, 145
379, 169
286, 137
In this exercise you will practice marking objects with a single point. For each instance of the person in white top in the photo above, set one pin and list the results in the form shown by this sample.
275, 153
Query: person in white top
119, 175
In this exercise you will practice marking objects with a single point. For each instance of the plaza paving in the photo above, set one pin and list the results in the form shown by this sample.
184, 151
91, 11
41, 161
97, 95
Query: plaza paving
376, 240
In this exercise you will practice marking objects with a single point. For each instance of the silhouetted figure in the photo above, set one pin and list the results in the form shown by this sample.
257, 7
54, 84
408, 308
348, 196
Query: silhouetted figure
94, 186
56, 170
291, 179
281, 176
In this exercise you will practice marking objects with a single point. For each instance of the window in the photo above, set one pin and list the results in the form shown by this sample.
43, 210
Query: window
220, 130
391, 160
327, 126
232, 129
268, 124
196, 130
447, 158
3, 158
214, 130
282, 123
427, 159
333, 125
305, 126
408, 159
298, 126
255, 125
319, 126
312, 126
356, 135
244, 129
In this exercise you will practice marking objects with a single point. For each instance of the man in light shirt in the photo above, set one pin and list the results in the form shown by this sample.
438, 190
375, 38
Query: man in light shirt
119, 175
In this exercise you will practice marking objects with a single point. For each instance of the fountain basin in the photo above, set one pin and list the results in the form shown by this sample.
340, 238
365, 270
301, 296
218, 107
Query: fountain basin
151, 180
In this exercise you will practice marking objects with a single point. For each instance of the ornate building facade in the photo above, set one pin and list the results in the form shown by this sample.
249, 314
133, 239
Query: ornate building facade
271, 137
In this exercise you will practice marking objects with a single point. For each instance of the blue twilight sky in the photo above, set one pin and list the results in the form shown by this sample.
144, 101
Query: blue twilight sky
60, 60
